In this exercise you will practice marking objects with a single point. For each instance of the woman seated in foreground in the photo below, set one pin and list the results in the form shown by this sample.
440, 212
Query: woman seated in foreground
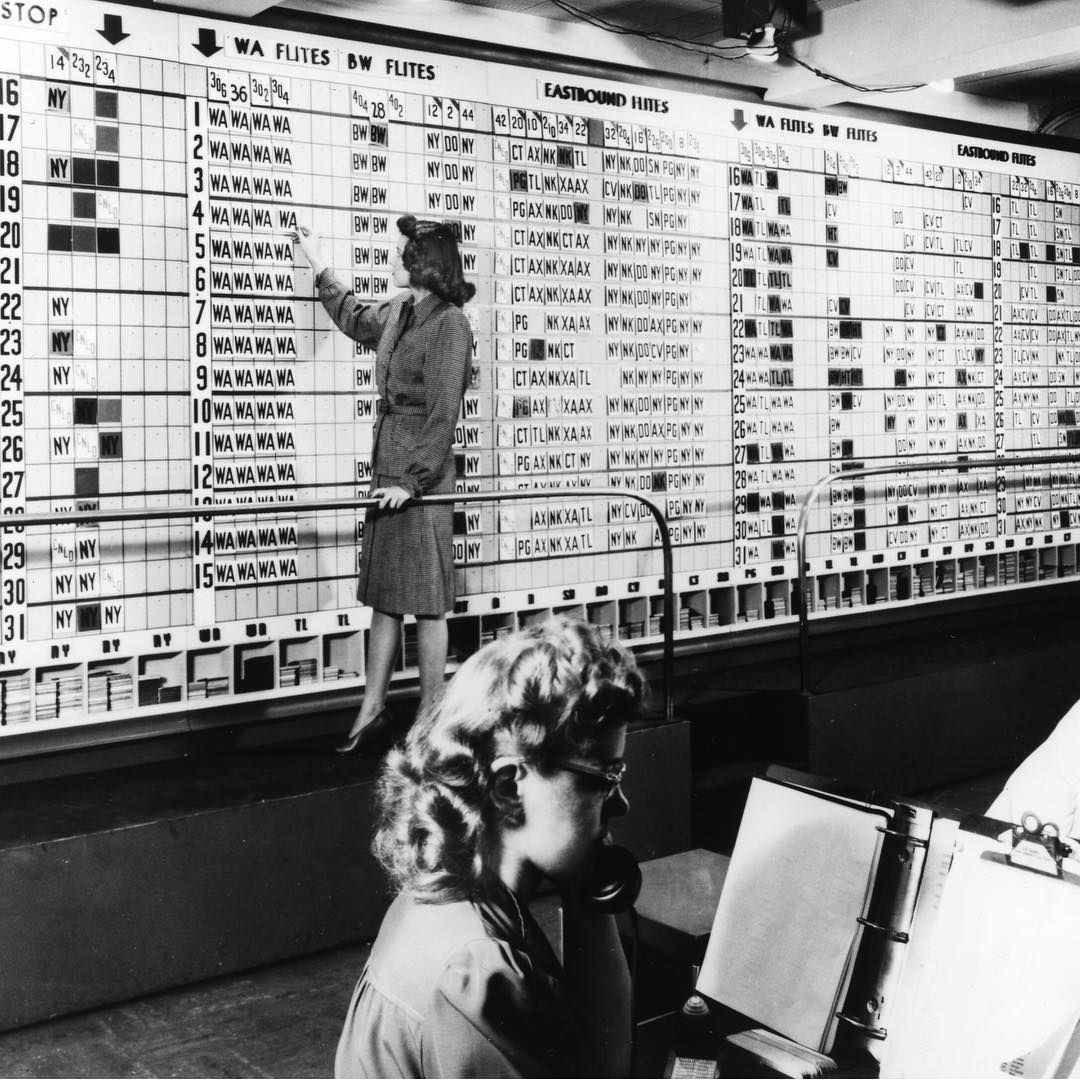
508, 781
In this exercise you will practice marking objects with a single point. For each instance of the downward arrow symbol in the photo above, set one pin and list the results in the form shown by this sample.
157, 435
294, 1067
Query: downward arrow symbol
207, 43
113, 29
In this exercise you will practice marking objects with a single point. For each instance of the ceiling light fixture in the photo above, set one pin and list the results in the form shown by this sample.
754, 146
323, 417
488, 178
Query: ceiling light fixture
761, 44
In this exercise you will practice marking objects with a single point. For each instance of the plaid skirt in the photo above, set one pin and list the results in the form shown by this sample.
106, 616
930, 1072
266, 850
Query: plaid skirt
407, 555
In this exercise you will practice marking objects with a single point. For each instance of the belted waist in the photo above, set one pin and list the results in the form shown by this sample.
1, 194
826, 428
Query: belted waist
384, 407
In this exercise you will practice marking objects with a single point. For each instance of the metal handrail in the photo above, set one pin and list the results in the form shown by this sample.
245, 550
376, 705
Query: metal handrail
154, 513
810, 498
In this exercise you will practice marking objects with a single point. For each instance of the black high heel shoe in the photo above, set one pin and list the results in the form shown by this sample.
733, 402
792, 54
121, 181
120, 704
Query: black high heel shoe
372, 739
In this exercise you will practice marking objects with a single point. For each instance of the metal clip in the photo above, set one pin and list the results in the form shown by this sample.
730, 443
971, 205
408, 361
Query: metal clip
1037, 846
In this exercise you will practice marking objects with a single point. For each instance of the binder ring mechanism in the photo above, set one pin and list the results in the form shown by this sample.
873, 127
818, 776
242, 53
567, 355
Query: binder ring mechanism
870, 1030
1037, 845
907, 838
873, 1031
888, 931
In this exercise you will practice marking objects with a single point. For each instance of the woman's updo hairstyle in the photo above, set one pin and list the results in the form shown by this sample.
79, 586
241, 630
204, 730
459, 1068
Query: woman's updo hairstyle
432, 259
552, 691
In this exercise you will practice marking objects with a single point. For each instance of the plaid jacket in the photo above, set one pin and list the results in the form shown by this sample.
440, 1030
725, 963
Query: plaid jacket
421, 372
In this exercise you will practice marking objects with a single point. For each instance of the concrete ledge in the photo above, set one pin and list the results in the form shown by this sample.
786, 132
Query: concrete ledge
127, 884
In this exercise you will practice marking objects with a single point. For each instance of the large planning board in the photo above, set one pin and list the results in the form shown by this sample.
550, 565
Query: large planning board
700, 301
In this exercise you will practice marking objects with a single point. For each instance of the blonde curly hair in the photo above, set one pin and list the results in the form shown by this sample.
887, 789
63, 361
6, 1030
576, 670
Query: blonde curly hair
552, 689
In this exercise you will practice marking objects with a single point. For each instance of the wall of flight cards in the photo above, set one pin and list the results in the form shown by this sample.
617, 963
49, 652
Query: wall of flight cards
706, 303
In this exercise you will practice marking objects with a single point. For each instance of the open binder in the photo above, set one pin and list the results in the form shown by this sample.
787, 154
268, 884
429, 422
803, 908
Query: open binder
870, 929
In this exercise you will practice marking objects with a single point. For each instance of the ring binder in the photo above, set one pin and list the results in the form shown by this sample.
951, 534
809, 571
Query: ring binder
939, 976
882, 843
830, 847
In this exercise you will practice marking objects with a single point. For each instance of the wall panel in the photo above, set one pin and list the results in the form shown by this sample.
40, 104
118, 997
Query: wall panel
698, 299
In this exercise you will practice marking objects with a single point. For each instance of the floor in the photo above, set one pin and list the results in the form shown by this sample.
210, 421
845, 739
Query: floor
282, 1020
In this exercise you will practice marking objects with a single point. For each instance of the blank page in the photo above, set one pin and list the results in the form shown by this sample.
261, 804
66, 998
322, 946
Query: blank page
786, 925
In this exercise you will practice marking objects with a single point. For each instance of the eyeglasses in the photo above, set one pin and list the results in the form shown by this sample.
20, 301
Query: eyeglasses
611, 775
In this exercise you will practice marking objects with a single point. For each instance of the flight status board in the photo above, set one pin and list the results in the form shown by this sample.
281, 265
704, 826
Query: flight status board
704, 303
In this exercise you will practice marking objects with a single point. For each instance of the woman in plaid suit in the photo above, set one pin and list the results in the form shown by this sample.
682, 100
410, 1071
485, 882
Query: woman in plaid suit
423, 358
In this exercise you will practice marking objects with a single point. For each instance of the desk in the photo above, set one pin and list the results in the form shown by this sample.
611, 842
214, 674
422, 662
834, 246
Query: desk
678, 901
674, 918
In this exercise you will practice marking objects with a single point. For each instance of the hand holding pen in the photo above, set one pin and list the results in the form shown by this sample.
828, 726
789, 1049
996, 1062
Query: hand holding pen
311, 245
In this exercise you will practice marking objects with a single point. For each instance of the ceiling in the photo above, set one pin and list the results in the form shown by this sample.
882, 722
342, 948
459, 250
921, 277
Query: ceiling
831, 52
1025, 51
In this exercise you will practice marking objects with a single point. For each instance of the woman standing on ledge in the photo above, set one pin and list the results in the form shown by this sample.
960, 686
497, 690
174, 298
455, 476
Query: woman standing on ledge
423, 356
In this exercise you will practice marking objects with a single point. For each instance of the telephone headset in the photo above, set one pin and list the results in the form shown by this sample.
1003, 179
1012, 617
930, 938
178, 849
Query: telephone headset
613, 881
